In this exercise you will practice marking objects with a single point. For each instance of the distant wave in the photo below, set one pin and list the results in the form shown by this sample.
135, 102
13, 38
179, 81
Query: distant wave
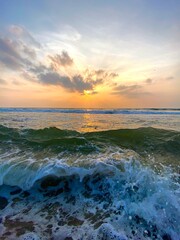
160, 111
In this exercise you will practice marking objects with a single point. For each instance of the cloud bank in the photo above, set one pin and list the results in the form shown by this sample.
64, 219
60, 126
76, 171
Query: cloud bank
18, 52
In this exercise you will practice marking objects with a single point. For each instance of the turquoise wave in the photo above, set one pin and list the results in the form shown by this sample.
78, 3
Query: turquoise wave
142, 140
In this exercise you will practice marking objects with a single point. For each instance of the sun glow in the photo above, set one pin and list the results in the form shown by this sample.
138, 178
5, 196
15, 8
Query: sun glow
87, 92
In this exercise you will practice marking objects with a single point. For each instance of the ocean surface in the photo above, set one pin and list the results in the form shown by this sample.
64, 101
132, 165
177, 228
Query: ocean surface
99, 174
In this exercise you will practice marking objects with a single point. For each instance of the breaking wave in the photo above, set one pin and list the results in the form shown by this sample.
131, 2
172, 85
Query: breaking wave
117, 184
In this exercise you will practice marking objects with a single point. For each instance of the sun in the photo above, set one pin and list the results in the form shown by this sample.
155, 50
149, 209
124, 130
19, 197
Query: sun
87, 92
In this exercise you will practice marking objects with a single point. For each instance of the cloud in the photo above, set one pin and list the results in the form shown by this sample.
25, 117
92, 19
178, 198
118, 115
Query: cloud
21, 33
18, 52
155, 80
15, 54
73, 84
28, 76
100, 74
15, 82
59, 60
9, 55
28, 51
68, 33
131, 91
2, 81
136, 90
105, 73
169, 78
148, 81
124, 88
80, 82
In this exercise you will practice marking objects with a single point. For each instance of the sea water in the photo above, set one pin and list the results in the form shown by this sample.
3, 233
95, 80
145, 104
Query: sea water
89, 173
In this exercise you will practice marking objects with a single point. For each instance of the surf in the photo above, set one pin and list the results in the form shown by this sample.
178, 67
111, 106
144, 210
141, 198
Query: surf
115, 184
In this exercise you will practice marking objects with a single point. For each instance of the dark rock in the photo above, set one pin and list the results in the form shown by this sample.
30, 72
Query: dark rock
73, 221
68, 238
20, 227
3, 202
50, 181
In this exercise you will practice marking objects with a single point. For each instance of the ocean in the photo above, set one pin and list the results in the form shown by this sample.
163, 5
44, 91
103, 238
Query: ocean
99, 174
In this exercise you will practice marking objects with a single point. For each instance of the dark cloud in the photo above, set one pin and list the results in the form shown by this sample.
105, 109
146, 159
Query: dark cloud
15, 54
59, 60
131, 91
9, 47
9, 55
40, 69
73, 84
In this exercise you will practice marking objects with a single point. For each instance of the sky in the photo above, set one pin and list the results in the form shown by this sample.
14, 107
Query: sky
90, 54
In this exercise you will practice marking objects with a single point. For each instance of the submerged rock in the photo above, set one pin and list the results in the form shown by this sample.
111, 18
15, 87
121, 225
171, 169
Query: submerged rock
17, 191
18, 226
50, 181
166, 237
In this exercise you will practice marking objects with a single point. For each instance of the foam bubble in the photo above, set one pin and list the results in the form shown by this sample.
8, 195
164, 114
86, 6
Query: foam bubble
29, 236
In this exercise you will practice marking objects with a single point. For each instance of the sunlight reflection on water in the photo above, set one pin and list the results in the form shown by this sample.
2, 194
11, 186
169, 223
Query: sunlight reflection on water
88, 122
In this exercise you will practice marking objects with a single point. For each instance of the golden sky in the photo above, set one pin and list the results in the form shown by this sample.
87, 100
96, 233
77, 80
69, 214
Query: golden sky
90, 55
